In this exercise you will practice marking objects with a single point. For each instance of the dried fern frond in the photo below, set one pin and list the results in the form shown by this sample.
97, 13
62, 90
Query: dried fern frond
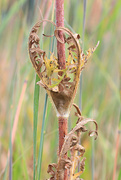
60, 84
71, 143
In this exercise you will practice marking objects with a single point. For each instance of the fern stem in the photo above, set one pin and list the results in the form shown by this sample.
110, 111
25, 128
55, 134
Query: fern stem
62, 121
63, 128
60, 22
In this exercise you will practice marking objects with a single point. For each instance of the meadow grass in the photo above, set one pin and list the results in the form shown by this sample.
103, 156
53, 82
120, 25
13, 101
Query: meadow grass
100, 89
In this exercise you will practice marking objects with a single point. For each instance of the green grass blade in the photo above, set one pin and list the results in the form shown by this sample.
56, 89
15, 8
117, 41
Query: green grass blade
36, 105
44, 122
41, 141
119, 177
49, 106
10, 159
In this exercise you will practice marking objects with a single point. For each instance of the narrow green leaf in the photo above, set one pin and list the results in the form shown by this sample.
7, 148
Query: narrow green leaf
41, 141
10, 159
36, 105
119, 177
48, 113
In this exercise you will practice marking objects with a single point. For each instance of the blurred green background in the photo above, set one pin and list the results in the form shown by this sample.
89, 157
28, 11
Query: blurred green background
100, 86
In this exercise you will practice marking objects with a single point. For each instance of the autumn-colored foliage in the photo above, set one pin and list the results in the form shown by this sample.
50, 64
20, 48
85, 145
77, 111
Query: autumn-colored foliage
61, 86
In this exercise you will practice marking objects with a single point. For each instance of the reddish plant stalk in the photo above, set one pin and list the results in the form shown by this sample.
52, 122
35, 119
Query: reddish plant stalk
62, 121
62, 130
60, 22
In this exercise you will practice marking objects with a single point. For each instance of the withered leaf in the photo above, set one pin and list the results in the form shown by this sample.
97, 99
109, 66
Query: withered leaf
62, 86
71, 143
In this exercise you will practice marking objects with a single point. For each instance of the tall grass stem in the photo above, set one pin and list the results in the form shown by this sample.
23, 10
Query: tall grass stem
41, 140
35, 120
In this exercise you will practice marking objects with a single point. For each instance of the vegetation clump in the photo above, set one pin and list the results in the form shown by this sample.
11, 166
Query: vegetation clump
61, 86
